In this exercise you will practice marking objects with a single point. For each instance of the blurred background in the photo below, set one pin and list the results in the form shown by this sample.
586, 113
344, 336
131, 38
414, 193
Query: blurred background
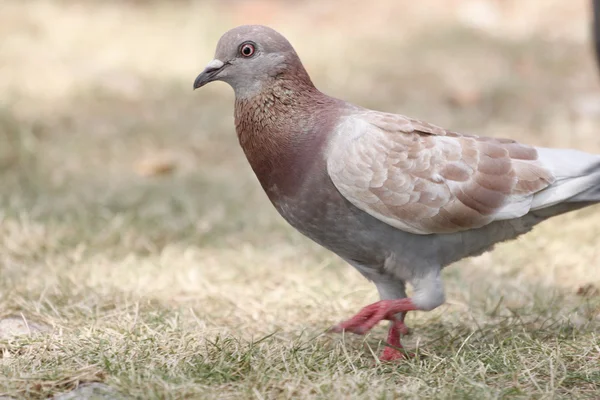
98, 118
119, 184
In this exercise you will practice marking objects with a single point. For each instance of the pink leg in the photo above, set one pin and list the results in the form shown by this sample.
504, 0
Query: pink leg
393, 353
369, 316
401, 326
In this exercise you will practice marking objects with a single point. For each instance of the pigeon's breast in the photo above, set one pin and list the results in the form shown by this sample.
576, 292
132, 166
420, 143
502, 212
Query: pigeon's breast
321, 213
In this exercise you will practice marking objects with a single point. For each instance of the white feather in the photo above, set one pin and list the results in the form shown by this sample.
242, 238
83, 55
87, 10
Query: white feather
576, 172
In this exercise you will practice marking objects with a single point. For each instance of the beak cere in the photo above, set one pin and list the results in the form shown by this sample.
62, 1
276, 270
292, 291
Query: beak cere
209, 74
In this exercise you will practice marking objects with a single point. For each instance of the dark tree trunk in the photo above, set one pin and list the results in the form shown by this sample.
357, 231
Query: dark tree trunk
596, 29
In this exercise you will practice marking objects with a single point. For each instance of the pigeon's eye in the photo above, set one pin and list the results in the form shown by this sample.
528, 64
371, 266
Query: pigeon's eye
247, 50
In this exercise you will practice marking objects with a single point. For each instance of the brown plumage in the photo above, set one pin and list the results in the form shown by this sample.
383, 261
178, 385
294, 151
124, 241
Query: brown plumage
423, 179
397, 198
276, 139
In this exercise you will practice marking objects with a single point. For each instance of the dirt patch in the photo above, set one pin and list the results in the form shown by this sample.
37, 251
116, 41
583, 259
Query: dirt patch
18, 325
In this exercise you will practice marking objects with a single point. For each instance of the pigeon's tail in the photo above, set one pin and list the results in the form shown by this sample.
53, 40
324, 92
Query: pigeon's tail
592, 194
577, 179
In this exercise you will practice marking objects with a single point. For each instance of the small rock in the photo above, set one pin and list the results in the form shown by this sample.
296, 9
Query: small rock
90, 391
17, 326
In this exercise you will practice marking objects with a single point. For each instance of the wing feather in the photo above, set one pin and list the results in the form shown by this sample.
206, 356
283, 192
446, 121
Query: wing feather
423, 179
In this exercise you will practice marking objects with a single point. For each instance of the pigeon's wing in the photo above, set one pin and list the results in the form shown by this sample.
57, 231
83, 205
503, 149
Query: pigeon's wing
423, 179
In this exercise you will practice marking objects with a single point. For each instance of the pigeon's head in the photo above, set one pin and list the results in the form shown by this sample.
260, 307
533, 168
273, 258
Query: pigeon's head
247, 57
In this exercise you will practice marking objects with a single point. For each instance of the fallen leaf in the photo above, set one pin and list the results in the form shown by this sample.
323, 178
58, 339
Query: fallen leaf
588, 290
156, 165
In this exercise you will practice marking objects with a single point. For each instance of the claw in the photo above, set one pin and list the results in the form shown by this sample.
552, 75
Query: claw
371, 315
391, 354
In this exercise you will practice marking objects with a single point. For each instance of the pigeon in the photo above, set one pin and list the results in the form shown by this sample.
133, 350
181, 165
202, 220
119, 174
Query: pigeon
395, 197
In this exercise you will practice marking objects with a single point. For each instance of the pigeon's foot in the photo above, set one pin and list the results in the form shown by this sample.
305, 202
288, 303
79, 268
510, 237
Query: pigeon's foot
390, 354
400, 328
369, 316
394, 350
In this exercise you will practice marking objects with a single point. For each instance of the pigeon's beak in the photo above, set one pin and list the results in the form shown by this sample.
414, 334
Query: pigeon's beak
210, 73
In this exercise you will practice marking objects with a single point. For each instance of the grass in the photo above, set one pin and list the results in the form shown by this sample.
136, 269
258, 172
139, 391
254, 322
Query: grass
132, 227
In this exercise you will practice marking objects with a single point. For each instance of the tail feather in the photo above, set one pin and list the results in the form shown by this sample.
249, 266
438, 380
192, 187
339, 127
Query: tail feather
577, 178
591, 195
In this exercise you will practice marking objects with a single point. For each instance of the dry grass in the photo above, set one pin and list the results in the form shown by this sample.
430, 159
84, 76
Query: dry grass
132, 227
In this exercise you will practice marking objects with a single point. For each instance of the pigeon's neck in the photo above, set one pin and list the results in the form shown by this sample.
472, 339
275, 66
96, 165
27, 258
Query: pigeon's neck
283, 128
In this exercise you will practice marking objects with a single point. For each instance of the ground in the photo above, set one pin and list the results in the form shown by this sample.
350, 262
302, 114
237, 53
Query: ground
138, 250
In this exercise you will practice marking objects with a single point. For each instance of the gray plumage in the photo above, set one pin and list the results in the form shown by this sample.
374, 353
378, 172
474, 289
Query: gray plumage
397, 198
